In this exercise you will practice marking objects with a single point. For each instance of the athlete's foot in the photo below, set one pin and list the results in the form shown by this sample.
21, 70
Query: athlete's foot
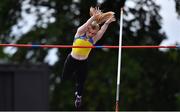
78, 100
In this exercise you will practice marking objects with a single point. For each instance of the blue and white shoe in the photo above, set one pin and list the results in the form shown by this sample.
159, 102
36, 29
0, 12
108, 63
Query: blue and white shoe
78, 100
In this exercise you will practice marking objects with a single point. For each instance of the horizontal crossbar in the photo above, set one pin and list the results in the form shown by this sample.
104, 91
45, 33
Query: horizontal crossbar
70, 46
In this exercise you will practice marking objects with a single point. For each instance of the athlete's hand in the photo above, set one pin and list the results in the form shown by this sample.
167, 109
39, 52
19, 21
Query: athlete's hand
111, 19
96, 12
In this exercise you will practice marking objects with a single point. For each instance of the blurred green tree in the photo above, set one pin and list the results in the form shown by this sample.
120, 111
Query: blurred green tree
149, 77
177, 6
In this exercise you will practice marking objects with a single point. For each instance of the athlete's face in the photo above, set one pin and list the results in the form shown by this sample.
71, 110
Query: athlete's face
91, 32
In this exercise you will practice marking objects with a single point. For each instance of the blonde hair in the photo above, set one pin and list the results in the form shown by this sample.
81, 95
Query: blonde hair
101, 18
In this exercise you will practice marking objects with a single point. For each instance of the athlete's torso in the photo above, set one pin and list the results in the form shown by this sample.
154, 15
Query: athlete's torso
82, 53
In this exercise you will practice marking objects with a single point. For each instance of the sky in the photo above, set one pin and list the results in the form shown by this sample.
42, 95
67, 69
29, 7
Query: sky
170, 21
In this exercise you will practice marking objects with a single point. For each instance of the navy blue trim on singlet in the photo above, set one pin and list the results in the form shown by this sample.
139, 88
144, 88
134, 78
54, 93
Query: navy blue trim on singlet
83, 37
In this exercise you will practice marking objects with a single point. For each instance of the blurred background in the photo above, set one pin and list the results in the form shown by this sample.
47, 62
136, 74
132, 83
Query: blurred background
30, 77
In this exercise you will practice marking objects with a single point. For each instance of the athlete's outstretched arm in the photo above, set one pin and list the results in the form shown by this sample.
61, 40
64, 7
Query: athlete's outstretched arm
104, 28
